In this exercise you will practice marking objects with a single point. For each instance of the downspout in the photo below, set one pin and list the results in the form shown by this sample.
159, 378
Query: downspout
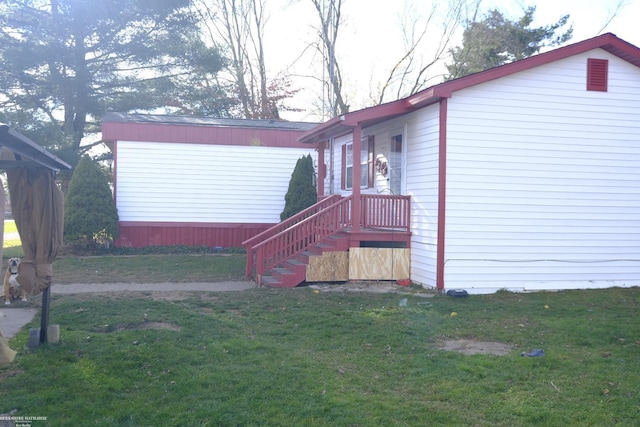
442, 195
355, 186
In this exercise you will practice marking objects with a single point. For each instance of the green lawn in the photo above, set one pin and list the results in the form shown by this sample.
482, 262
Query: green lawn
293, 357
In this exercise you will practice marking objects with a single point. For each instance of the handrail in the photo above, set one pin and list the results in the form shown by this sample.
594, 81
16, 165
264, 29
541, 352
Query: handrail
301, 236
281, 226
377, 211
272, 231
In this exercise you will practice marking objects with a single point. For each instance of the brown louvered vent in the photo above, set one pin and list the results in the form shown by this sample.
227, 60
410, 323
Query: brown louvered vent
597, 74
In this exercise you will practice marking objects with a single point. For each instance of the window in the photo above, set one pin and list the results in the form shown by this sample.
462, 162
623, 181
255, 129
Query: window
367, 171
349, 166
597, 74
395, 165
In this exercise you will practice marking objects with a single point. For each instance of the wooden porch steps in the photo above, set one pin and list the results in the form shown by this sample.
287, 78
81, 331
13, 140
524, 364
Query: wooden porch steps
293, 272
279, 256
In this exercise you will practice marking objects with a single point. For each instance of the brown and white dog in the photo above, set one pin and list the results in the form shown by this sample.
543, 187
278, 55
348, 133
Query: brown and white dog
12, 289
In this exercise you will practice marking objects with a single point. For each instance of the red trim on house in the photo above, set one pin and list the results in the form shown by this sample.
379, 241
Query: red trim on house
355, 170
608, 42
227, 235
163, 132
442, 196
343, 125
322, 170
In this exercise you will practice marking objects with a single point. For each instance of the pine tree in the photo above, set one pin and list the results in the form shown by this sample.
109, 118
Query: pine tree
90, 211
302, 190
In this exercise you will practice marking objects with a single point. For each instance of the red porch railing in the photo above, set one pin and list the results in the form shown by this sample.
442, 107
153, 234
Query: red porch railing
385, 211
301, 236
300, 216
377, 211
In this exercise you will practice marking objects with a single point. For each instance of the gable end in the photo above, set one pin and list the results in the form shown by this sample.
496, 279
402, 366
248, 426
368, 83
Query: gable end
597, 74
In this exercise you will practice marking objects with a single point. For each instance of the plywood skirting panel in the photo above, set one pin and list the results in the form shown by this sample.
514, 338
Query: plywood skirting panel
369, 264
401, 264
379, 263
328, 267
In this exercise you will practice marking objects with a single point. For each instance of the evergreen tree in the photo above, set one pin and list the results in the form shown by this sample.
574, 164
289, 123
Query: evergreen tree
67, 62
302, 190
90, 211
496, 41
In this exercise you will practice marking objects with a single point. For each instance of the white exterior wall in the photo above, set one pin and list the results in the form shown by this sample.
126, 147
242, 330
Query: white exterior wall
422, 185
199, 183
420, 131
543, 180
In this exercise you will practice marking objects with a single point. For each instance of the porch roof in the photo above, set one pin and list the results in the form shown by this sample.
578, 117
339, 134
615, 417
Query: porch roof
344, 124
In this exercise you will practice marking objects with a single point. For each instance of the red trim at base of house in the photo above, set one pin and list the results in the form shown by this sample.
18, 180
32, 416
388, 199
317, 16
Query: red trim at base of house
442, 195
139, 234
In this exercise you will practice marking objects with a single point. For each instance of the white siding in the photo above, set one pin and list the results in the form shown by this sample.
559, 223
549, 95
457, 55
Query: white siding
420, 145
420, 133
166, 182
543, 180
422, 185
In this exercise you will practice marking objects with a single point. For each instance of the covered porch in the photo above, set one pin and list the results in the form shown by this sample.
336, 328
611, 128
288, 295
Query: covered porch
344, 236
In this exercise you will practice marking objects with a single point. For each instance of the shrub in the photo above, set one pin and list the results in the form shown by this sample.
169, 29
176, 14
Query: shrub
302, 190
90, 212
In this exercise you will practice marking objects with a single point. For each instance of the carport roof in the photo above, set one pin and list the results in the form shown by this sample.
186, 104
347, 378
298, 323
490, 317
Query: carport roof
28, 154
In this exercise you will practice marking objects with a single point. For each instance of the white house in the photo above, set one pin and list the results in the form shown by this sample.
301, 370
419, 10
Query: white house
200, 181
523, 177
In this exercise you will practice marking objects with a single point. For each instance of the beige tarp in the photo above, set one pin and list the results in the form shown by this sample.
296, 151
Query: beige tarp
38, 208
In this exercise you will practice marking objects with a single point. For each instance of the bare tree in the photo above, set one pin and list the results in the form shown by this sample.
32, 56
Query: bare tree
239, 27
330, 15
434, 33
613, 14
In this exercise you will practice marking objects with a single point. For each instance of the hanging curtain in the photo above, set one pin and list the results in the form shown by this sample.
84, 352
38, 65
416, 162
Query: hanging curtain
38, 210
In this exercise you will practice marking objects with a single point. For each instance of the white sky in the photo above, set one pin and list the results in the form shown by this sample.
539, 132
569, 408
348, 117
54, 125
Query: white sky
370, 40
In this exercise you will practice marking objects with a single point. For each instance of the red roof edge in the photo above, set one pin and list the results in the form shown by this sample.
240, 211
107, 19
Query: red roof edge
609, 42
342, 125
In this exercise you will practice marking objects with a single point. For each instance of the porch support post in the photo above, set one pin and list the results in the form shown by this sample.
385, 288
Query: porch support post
442, 196
322, 169
355, 203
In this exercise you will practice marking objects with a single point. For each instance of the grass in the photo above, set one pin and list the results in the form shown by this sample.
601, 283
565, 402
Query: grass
149, 268
294, 357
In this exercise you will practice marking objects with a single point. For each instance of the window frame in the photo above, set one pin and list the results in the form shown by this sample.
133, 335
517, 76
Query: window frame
367, 164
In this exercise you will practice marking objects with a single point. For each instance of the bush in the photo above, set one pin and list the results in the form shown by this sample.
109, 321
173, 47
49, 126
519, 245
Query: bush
302, 191
90, 212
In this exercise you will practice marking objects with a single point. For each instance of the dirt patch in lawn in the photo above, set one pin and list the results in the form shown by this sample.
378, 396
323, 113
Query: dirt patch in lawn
139, 326
148, 325
373, 287
469, 347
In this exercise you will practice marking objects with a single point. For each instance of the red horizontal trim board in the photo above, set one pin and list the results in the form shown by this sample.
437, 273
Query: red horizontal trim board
154, 132
228, 235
